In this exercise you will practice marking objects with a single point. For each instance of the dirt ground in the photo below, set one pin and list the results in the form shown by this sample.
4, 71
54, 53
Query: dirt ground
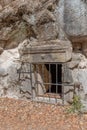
27, 115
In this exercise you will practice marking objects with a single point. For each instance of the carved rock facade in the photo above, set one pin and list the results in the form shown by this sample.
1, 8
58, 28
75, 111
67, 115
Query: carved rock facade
48, 25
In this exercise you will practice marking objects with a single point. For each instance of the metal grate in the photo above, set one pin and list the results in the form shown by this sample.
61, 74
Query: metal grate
46, 81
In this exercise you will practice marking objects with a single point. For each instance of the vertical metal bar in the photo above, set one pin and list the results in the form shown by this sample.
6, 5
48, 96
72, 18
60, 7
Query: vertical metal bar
28, 70
37, 90
62, 85
31, 79
62, 94
35, 74
49, 78
56, 80
19, 72
23, 71
49, 81
44, 78
43, 72
41, 82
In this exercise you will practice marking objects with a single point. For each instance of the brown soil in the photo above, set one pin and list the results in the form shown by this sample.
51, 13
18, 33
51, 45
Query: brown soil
27, 115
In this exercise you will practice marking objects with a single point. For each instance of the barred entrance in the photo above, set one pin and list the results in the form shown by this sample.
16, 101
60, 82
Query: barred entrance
56, 78
47, 70
47, 81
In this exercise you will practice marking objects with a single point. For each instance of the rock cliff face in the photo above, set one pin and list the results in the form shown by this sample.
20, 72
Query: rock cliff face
73, 20
28, 22
20, 20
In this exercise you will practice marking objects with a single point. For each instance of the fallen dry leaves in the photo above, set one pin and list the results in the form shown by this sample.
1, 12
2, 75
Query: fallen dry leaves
27, 115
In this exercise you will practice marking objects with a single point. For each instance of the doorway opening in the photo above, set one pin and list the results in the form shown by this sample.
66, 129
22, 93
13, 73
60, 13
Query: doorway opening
46, 81
55, 71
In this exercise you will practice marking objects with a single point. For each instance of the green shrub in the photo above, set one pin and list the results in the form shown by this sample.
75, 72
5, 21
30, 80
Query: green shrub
76, 106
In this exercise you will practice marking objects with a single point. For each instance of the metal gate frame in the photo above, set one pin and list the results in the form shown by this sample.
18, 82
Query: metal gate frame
31, 70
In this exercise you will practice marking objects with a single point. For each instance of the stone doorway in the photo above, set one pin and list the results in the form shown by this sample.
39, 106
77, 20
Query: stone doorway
48, 84
48, 73
56, 78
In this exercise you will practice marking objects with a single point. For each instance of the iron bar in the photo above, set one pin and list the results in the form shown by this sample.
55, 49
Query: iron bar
49, 80
43, 72
56, 80
31, 81
62, 94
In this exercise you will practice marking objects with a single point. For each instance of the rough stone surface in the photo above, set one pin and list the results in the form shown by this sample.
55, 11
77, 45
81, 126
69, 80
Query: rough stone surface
1, 50
33, 22
28, 18
45, 51
9, 79
73, 17
78, 60
73, 20
81, 75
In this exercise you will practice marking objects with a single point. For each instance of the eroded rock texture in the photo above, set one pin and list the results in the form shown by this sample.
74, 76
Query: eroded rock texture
26, 18
73, 20
20, 20
28, 23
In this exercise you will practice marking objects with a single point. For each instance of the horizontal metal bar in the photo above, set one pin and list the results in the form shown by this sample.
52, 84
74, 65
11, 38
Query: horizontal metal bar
25, 72
43, 63
59, 84
53, 84
48, 63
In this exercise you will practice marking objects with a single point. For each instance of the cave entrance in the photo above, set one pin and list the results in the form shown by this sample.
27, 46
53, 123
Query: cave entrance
50, 82
48, 79
55, 82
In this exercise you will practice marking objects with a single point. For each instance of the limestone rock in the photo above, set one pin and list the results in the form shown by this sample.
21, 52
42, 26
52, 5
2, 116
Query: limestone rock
81, 75
76, 59
83, 62
27, 18
84, 48
74, 14
53, 29
10, 85
73, 19
1, 50
10, 37
0, 7
45, 51
45, 16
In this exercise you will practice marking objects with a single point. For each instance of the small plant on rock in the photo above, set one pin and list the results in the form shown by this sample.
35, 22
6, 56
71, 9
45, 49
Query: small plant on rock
76, 106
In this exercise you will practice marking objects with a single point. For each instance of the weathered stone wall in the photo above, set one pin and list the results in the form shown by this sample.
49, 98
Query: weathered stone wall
41, 21
21, 20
